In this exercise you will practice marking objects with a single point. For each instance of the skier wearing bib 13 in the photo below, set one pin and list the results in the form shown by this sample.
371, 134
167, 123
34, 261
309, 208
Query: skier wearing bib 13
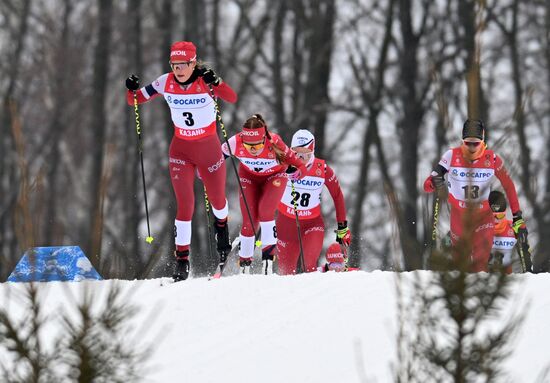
471, 168
190, 91
264, 158
307, 198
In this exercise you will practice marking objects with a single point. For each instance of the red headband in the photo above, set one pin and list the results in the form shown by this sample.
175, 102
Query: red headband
255, 134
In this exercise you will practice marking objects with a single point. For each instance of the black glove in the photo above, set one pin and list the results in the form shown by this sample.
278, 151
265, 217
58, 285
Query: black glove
132, 83
343, 235
210, 77
438, 181
519, 227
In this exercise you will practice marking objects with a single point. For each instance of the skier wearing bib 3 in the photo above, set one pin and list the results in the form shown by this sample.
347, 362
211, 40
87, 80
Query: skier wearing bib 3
264, 158
471, 168
307, 198
189, 90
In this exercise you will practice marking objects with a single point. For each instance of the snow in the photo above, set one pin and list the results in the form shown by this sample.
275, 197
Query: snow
332, 327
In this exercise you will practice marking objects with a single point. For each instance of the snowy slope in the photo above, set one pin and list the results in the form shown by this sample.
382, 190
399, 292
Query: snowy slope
308, 328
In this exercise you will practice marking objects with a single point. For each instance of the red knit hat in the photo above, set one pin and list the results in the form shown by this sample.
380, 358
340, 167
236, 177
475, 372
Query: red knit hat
183, 51
335, 253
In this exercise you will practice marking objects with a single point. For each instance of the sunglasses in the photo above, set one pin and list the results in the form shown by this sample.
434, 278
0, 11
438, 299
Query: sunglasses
257, 146
474, 144
182, 65
304, 155
500, 215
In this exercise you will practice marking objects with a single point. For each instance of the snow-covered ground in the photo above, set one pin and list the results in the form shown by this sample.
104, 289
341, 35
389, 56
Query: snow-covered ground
307, 328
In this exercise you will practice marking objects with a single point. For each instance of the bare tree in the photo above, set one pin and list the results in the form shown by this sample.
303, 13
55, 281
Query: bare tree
99, 129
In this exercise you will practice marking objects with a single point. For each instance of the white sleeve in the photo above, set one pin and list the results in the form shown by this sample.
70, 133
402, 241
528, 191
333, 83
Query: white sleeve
445, 160
158, 85
232, 144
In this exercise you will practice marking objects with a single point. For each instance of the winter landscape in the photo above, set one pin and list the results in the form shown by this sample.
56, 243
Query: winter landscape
331, 327
385, 124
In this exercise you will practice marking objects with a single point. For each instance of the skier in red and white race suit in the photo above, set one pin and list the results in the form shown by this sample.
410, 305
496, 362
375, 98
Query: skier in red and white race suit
307, 197
190, 91
336, 259
264, 158
471, 168
504, 240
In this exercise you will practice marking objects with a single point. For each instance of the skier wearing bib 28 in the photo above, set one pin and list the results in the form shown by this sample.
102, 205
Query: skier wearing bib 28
264, 158
307, 198
471, 168
190, 91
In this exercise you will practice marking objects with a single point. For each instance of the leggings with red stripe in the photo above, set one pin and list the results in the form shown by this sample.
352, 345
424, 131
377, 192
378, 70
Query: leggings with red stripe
312, 232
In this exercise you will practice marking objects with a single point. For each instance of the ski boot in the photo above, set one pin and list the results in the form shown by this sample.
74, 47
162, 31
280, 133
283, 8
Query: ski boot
181, 271
244, 265
267, 259
222, 239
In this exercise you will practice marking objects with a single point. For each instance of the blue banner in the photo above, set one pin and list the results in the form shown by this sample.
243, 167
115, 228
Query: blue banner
62, 263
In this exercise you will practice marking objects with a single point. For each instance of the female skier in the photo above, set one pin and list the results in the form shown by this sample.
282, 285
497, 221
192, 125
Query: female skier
305, 196
191, 90
264, 159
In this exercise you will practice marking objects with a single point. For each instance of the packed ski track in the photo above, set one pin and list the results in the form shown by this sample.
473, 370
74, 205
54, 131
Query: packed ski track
319, 327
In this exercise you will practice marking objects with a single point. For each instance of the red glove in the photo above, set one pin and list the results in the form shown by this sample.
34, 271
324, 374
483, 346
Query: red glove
429, 186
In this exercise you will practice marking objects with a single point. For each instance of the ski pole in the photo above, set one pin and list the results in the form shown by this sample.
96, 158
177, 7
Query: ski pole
149, 238
435, 219
207, 206
224, 133
295, 203
524, 256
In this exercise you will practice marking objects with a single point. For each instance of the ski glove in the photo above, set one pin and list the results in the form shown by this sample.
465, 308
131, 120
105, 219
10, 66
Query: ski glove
132, 83
433, 182
295, 174
518, 224
343, 235
210, 77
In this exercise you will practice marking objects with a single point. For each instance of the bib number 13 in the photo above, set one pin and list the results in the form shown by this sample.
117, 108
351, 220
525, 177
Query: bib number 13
471, 191
188, 118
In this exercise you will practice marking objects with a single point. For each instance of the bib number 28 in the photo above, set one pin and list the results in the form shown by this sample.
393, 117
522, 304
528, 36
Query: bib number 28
302, 199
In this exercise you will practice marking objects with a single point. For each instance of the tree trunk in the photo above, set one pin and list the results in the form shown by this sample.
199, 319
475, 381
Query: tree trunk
133, 195
373, 102
319, 45
99, 129
53, 231
477, 107
10, 177
409, 126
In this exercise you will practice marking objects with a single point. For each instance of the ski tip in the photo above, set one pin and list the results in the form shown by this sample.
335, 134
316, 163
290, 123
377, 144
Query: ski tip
218, 275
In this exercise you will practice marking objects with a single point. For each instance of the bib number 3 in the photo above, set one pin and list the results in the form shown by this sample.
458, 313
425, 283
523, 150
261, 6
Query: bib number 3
188, 118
